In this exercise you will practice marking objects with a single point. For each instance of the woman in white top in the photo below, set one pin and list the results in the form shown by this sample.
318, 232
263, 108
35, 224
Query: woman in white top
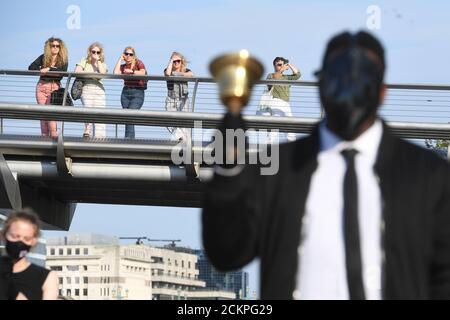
93, 95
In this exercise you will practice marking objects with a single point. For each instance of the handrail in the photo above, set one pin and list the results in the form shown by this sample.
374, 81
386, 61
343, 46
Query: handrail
83, 75
188, 119
89, 75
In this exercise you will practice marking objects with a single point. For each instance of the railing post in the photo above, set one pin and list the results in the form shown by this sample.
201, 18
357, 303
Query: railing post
117, 131
65, 98
1, 126
69, 77
448, 149
194, 95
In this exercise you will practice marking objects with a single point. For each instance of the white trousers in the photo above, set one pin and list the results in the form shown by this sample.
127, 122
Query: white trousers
178, 104
94, 97
279, 108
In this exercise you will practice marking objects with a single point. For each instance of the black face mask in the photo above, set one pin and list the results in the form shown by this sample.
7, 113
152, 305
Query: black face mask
16, 249
350, 85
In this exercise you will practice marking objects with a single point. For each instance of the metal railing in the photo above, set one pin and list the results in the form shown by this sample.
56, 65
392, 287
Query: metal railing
413, 110
207, 120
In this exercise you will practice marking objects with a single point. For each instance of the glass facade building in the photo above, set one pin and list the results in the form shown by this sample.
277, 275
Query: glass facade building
236, 281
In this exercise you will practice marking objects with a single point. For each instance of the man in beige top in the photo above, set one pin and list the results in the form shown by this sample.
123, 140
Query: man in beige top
279, 105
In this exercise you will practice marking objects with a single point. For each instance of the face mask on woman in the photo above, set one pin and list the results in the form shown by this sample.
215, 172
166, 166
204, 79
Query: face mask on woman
17, 249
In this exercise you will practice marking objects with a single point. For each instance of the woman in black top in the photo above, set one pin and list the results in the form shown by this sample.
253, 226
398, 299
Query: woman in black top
55, 58
25, 280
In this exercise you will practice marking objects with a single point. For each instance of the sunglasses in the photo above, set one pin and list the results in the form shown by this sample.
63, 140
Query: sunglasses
176, 61
95, 52
128, 54
56, 46
279, 64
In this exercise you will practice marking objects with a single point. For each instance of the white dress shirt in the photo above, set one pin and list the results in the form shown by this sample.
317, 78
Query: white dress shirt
322, 272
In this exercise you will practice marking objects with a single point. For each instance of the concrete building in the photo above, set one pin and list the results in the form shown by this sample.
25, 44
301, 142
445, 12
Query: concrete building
93, 267
236, 281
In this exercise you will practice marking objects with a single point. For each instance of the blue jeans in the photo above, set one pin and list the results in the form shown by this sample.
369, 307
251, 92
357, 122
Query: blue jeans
131, 98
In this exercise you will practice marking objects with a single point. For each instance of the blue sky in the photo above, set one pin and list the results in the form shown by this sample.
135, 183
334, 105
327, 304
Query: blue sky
413, 32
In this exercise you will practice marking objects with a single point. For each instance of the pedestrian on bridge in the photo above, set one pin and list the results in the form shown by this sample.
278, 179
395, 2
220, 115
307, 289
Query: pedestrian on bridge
177, 92
133, 92
278, 104
93, 95
55, 58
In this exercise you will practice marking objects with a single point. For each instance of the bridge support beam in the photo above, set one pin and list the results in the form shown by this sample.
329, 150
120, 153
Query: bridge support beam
9, 187
64, 164
16, 195
51, 210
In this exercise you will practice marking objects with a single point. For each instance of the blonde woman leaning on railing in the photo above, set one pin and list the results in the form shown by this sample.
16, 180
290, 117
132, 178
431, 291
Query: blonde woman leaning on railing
93, 95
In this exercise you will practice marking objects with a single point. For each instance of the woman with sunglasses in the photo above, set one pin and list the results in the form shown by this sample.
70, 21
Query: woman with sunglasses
177, 91
133, 91
55, 58
93, 95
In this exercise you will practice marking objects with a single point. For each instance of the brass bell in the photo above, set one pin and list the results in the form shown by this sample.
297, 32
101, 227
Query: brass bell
236, 74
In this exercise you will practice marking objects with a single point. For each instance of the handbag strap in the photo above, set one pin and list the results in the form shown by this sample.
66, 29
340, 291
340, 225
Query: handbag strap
269, 77
268, 91
84, 61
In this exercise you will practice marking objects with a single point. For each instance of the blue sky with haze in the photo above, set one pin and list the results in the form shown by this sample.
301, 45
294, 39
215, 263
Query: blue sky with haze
414, 34
412, 31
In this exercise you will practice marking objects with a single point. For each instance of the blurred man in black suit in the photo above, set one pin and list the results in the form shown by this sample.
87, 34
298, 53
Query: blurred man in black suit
353, 212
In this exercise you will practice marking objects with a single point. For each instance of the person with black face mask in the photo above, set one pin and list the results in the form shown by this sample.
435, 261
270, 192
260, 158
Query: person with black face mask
353, 212
23, 279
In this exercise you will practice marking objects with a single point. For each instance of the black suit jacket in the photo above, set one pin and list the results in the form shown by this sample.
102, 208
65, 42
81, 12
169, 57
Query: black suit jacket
250, 215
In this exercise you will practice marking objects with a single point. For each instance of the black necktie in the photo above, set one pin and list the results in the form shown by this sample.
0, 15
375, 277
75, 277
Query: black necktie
351, 229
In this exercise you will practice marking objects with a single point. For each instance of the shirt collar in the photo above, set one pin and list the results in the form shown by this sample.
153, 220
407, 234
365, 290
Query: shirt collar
366, 144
